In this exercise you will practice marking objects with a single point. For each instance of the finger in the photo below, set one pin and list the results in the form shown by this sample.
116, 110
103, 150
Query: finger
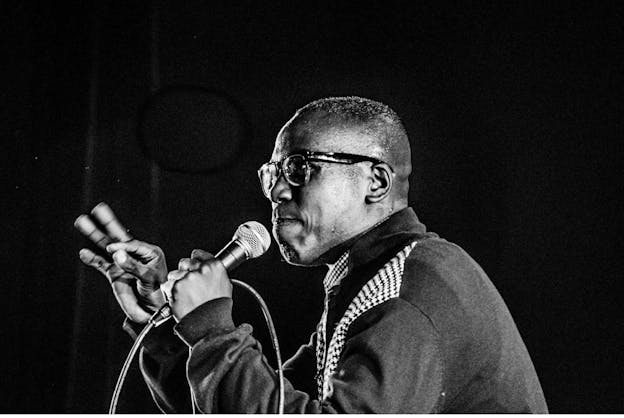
85, 225
210, 267
128, 301
176, 275
201, 255
93, 260
104, 214
189, 264
167, 290
129, 264
141, 249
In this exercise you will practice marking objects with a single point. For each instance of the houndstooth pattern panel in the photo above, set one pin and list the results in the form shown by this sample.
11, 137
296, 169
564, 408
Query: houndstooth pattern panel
385, 285
332, 278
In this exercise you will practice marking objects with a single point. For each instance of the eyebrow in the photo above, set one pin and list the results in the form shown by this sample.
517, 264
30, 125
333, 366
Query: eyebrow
292, 152
300, 150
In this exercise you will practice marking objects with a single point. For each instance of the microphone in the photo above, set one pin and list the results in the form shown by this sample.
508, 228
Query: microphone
250, 240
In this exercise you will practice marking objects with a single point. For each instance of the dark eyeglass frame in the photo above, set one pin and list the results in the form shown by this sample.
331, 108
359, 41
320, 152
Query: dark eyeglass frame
326, 157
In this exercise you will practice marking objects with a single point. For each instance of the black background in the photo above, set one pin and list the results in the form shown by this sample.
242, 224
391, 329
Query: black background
514, 114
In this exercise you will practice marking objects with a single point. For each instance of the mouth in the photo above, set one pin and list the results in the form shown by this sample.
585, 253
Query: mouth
284, 221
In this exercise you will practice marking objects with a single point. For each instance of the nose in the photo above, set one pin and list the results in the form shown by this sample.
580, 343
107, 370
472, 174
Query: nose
281, 191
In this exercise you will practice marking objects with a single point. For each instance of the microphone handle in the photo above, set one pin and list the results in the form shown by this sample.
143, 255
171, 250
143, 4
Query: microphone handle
232, 256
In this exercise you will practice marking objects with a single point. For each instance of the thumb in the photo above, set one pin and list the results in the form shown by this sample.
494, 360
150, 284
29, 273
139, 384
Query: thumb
129, 303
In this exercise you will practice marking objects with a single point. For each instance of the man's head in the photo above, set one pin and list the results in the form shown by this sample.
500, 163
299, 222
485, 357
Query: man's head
357, 157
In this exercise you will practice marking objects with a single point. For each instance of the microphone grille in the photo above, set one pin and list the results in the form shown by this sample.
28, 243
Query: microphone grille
255, 237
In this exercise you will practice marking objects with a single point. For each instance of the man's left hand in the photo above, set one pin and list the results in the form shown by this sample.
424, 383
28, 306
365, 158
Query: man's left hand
199, 279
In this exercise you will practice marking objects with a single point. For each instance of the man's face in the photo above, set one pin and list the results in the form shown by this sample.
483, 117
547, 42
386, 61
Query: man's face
309, 220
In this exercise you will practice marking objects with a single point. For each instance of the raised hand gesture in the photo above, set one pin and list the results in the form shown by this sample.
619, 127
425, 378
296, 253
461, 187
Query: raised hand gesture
135, 269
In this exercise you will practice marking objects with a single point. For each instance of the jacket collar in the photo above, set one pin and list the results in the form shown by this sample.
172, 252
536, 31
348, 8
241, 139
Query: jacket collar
366, 254
399, 229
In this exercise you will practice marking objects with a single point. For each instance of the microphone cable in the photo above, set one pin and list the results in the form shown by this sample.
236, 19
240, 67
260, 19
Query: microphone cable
164, 314
124, 370
274, 341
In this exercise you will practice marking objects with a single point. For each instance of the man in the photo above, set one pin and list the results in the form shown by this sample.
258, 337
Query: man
411, 323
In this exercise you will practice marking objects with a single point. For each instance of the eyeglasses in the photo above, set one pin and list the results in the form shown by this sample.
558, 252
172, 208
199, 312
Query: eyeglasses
297, 170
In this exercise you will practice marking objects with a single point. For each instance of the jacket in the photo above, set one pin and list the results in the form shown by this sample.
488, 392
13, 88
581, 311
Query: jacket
414, 326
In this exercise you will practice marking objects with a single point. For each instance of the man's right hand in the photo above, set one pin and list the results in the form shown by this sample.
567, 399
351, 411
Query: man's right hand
136, 269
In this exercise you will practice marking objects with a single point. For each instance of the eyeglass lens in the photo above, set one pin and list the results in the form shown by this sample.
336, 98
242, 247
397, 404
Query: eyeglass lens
295, 170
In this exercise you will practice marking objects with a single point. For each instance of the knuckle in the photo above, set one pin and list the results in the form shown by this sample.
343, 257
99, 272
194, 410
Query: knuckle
212, 267
185, 279
165, 288
98, 264
210, 264
175, 289
129, 267
201, 254
106, 270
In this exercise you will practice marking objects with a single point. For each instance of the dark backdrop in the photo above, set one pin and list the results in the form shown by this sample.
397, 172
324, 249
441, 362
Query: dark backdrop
515, 125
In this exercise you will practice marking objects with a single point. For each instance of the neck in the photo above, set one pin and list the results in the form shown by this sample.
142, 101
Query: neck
331, 256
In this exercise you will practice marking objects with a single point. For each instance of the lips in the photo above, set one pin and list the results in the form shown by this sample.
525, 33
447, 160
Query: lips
286, 226
284, 220
281, 217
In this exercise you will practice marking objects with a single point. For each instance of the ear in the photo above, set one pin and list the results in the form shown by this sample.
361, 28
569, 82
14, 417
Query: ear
380, 183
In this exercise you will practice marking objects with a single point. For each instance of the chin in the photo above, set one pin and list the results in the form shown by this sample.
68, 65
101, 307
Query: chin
296, 258
289, 254
296, 248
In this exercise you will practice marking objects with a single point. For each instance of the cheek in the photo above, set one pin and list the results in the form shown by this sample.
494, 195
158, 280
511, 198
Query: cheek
329, 212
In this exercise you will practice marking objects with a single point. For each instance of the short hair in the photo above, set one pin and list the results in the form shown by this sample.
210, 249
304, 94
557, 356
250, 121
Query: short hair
372, 118
357, 110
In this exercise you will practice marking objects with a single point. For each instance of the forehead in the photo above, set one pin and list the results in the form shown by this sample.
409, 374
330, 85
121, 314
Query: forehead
319, 134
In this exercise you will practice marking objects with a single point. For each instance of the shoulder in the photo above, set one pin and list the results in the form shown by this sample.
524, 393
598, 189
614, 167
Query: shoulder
435, 264
441, 280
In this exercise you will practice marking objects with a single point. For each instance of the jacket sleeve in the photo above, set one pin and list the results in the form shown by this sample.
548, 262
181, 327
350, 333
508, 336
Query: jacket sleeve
390, 364
163, 365
163, 358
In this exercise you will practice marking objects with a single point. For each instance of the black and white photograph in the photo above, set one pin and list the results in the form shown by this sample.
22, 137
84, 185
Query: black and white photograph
384, 207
